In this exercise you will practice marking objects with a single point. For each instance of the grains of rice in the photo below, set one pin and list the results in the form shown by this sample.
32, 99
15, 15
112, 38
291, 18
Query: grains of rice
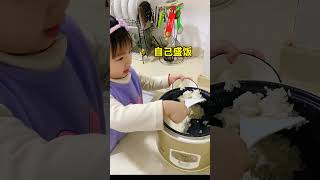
231, 84
270, 156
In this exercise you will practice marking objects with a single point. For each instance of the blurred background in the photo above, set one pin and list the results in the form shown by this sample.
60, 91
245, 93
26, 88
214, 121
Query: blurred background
91, 17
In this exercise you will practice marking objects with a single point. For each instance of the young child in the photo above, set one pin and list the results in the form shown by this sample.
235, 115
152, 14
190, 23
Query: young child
127, 113
49, 88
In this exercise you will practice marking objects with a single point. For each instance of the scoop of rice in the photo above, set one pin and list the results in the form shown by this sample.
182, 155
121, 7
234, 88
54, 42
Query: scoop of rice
195, 94
275, 157
196, 112
274, 105
247, 104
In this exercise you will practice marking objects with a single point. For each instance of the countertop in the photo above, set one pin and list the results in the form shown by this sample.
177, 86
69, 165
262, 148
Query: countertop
138, 152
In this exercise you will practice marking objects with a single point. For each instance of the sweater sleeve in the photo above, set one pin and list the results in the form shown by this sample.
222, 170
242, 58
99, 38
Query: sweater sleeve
153, 83
136, 117
25, 155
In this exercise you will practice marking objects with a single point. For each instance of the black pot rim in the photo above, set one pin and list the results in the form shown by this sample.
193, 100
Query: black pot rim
266, 84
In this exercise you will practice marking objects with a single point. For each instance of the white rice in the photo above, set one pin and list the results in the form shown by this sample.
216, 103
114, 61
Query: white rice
196, 112
195, 94
274, 105
205, 122
231, 84
272, 156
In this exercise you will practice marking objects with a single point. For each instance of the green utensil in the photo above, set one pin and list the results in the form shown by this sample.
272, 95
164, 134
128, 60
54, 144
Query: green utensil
160, 20
179, 19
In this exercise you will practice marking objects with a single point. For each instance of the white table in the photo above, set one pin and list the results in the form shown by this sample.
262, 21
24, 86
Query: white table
138, 153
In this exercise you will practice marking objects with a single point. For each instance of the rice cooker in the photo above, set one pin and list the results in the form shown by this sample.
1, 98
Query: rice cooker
305, 138
254, 75
188, 151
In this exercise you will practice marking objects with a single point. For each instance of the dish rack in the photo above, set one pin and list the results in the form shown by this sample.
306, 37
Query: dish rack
173, 40
147, 36
145, 42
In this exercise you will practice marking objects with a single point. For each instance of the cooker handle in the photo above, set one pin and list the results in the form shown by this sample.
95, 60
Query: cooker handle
259, 59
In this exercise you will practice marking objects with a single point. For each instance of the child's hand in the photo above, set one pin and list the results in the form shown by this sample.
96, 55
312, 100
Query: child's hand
172, 78
230, 159
232, 52
175, 111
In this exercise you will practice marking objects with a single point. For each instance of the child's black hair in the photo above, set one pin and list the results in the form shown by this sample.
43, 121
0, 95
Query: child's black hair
119, 38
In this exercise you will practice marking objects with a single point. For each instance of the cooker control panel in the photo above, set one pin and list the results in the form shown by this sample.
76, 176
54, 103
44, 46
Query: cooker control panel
184, 160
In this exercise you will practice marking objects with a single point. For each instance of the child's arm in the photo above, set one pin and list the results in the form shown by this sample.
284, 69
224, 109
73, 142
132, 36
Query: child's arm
152, 83
25, 155
144, 117
136, 117
158, 82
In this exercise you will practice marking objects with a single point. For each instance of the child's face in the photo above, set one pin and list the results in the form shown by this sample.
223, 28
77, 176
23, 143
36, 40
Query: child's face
30, 26
120, 63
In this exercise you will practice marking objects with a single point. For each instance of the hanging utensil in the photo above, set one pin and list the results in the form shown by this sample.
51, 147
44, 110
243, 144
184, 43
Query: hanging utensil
179, 25
170, 23
160, 19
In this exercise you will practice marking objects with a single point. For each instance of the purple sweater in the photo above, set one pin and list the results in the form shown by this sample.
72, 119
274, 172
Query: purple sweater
130, 93
65, 101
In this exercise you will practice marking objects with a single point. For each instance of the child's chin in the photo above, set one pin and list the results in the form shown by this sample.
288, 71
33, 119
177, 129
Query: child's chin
119, 76
44, 45
125, 75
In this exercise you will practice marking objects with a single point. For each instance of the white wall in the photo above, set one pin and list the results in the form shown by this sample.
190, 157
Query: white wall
261, 24
195, 19
307, 25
